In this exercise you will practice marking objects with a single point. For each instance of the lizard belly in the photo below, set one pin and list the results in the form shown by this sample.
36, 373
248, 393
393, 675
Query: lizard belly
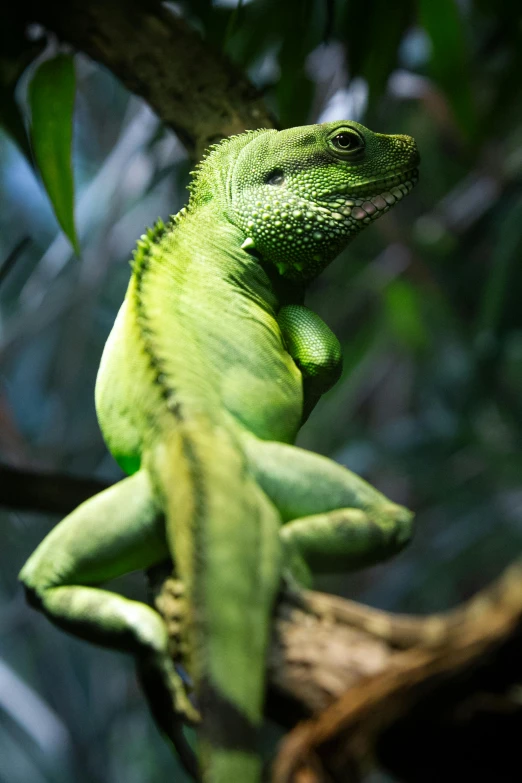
258, 381
265, 398
119, 398
259, 385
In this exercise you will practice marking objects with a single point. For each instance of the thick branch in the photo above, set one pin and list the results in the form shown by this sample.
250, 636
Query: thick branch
396, 688
368, 684
53, 493
193, 88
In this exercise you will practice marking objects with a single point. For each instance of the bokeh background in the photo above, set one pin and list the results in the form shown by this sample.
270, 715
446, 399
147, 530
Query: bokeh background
427, 304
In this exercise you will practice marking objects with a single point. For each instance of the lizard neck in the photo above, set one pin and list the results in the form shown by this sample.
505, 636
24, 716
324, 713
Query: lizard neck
198, 257
217, 252
195, 294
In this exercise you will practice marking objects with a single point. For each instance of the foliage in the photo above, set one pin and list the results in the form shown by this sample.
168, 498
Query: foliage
51, 102
426, 303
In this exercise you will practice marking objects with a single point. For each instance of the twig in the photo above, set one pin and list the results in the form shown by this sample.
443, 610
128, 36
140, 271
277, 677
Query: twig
53, 493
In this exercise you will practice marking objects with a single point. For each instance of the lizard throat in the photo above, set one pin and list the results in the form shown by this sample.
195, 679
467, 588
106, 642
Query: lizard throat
301, 231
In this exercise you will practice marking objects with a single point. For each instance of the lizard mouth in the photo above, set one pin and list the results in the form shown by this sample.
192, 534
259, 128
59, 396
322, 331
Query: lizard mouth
370, 200
385, 184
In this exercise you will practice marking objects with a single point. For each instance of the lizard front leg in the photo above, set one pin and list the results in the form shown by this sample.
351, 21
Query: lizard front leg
314, 348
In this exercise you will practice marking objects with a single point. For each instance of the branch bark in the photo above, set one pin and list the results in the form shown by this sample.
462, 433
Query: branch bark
50, 493
192, 87
416, 694
356, 685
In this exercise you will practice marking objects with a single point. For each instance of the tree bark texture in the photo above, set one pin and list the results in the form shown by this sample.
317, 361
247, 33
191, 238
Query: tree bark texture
193, 88
429, 698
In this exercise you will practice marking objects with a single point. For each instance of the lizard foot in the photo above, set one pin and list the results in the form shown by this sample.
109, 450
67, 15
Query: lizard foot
170, 706
166, 691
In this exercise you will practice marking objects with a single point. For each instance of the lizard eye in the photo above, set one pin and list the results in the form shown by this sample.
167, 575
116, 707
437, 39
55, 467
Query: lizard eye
275, 177
347, 141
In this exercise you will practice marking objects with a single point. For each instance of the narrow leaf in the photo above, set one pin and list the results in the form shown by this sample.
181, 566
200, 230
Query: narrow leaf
404, 313
372, 33
450, 58
51, 100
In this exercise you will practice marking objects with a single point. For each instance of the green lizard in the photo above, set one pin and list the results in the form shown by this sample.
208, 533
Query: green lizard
211, 367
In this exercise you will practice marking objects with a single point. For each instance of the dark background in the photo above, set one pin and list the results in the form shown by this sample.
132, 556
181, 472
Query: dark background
427, 304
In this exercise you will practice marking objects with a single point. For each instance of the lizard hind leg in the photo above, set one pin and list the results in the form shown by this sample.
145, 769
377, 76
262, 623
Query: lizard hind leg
119, 530
334, 519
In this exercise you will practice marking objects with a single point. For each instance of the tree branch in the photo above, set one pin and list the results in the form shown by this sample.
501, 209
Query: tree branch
358, 684
373, 685
52, 493
192, 87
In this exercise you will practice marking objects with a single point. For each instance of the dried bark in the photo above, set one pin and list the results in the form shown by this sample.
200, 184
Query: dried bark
415, 694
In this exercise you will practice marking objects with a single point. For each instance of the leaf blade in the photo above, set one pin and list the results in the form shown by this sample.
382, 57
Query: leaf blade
51, 96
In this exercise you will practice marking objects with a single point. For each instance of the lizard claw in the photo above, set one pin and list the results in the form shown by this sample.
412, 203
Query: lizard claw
170, 705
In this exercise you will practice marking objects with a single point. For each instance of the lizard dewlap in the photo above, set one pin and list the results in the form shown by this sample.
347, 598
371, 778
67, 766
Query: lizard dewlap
213, 364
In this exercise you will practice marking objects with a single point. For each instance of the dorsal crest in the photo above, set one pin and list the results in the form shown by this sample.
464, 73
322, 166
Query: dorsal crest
211, 171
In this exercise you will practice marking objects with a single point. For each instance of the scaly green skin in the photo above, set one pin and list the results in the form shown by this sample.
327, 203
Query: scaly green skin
211, 367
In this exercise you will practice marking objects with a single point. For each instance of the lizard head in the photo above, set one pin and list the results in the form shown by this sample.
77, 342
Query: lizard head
301, 194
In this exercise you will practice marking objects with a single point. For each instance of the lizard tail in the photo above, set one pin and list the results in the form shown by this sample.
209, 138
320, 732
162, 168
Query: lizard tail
224, 535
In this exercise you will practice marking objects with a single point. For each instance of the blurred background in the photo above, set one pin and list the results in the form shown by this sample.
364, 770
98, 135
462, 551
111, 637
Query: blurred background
427, 305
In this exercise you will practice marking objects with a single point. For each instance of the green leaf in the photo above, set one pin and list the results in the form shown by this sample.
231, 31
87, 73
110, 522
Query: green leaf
502, 290
51, 101
301, 27
450, 58
404, 312
372, 33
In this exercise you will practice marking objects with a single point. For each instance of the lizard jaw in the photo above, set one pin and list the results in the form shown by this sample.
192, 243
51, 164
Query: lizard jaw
371, 207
